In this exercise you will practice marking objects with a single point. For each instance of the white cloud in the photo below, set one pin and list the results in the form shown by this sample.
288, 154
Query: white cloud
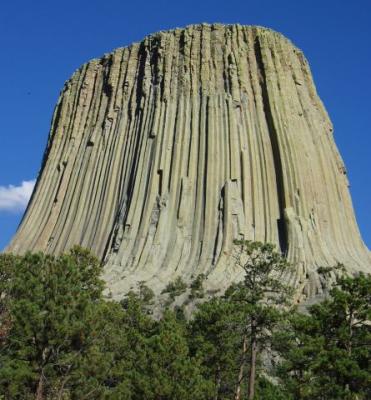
15, 198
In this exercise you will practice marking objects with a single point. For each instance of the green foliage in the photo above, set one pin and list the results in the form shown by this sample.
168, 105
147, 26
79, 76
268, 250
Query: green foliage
146, 294
264, 270
6, 263
328, 270
172, 373
216, 340
327, 352
260, 298
66, 342
229, 334
51, 302
197, 290
267, 390
143, 297
59, 339
175, 288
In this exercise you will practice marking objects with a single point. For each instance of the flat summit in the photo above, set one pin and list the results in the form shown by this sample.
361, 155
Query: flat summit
161, 153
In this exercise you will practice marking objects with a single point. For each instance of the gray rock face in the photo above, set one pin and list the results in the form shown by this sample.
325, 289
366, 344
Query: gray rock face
162, 153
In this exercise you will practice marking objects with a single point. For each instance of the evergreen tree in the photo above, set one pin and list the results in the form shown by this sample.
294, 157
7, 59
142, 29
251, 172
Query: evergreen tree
298, 345
260, 297
231, 332
216, 339
6, 266
172, 373
59, 339
51, 303
327, 353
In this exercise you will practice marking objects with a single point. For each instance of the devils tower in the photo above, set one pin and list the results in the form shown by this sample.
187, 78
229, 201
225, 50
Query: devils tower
161, 153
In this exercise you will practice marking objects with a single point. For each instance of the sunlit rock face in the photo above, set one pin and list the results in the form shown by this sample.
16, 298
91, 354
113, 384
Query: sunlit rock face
162, 153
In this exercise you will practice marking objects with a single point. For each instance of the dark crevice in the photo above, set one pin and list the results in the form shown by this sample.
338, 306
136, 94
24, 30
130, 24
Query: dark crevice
220, 227
141, 93
107, 87
182, 42
281, 223
160, 182
155, 59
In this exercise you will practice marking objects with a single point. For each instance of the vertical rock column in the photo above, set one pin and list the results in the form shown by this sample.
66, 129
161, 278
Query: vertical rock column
162, 153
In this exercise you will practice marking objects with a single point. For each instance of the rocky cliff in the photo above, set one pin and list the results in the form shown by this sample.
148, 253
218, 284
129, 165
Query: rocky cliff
162, 153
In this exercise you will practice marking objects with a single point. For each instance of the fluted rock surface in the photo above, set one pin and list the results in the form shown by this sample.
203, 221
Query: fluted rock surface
162, 153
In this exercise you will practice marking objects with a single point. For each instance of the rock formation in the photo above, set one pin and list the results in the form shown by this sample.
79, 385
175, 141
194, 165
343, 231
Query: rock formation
162, 153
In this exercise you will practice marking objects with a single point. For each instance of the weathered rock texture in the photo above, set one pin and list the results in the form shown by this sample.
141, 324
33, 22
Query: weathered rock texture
163, 152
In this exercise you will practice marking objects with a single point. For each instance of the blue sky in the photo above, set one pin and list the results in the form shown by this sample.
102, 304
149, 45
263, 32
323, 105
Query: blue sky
43, 42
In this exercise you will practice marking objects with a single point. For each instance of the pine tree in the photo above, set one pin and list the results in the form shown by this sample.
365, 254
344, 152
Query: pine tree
173, 374
261, 297
327, 352
232, 332
51, 303
216, 338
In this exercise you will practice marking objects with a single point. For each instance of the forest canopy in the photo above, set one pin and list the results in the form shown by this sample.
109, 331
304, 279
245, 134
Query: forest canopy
60, 338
